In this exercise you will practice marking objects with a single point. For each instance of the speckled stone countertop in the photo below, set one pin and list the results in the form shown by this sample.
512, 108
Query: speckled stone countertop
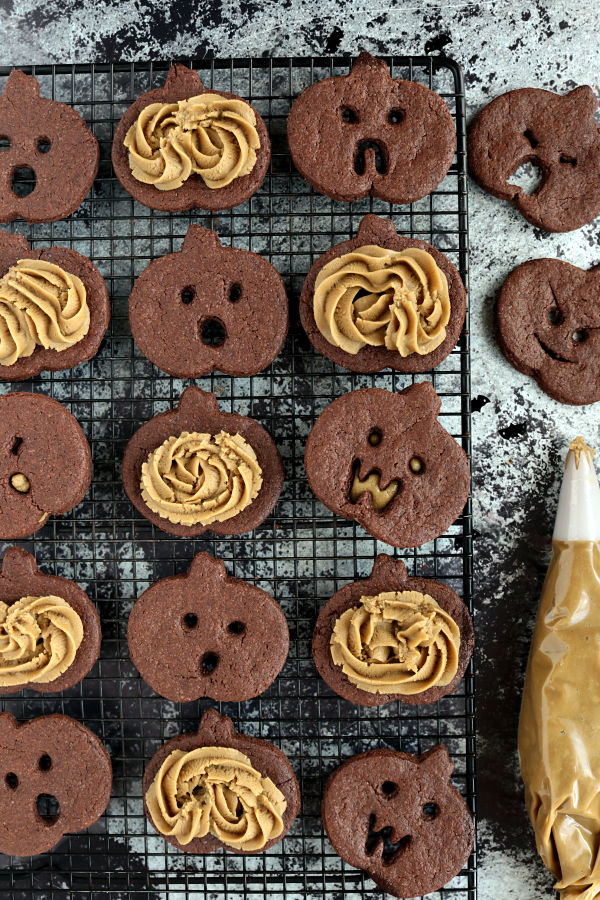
519, 434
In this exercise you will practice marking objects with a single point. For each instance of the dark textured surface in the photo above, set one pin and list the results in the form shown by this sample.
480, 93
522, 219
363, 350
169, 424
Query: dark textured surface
180, 622
388, 574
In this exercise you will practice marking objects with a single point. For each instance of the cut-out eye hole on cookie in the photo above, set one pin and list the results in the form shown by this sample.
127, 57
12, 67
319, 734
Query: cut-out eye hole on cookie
39, 185
364, 155
226, 309
237, 652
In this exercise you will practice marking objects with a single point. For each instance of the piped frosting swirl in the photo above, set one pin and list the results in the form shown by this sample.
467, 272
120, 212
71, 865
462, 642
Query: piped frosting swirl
215, 790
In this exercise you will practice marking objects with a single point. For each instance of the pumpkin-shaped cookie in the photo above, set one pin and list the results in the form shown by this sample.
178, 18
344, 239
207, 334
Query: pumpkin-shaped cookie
209, 307
382, 300
206, 634
392, 637
367, 133
52, 141
56, 778
45, 462
240, 792
49, 628
547, 321
183, 146
384, 460
195, 468
398, 817
54, 308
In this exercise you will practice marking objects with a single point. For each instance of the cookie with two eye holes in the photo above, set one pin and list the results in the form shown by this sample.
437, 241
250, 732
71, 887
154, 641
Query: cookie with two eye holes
392, 637
556, 133
49, 629
547, 322
368, 134
54, 308
184, 146
384, 460
56, 779
398, 817
45, 462
381, 300
207, 634
39, 141
209, 307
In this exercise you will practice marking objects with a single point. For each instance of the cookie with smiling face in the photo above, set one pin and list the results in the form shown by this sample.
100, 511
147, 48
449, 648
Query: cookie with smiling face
556, 133
398, 817
206, 634
367, 133
384, 460
547, 321
209, 307
45, 462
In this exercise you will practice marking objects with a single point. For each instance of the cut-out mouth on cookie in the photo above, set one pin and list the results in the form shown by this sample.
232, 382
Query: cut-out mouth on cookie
552, 354
391, 849
381, 497
371, 156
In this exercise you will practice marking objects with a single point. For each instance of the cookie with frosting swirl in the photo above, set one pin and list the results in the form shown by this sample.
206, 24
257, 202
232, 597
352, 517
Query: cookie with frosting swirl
392, 637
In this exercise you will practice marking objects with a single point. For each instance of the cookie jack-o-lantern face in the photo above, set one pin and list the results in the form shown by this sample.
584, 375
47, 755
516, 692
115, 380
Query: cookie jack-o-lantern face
384, 460
556, 133
548, 326
398, 817
206, 634
39, 141
56, 778
368, 133
209, 307
45, 462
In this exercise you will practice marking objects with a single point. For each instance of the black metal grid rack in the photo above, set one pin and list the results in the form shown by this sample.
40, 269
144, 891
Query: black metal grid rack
300, 555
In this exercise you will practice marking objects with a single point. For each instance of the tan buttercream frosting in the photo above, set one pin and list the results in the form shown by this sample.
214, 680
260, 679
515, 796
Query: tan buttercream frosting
212, 136
380, 497
399, 642
39, 637
40, 305
217, 791
197, 479
372, 296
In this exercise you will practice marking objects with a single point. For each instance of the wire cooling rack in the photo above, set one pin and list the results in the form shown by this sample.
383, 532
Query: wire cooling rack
300, 555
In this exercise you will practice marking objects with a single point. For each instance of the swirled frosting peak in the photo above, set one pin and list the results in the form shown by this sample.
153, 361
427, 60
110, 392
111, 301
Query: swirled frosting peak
399, 642
215, 790
198, 479
372, 296
39, 637
40, 305
212, 136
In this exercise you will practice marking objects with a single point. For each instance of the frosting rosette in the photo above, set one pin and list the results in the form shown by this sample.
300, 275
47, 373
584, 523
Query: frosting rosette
40, 305
39, 637
372, 296
399, 642
209, 135
217, 791
201, 478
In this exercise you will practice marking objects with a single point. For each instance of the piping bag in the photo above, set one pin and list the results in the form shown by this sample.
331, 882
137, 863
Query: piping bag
559, 726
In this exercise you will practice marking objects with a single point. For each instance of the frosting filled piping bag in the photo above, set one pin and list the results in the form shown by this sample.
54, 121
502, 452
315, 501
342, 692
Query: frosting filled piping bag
559, 727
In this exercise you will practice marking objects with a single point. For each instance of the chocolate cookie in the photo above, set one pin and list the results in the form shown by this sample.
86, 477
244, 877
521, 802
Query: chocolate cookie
398, 817
209, 307
206, 634
403, 332
428, 659
64, 634
384, 460
197, 413
45, 463
547, 324
42, 140
14, 247
367, 133
217, 732
56, 779
558, 134
168, 142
